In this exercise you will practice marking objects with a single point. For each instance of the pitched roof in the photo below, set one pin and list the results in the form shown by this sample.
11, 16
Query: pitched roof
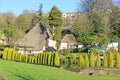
69, 38
34, 38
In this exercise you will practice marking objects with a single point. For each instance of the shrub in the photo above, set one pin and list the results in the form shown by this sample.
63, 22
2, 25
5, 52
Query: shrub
5, 53
30, 59
33, 60
57, 59
111, 60
92, 60
72, 59
118, 60
49, 58
86, 61
105, 62
26, 58
1, 54
98, 61
38, 56
81, 61
13, 55
41, 58
52, 59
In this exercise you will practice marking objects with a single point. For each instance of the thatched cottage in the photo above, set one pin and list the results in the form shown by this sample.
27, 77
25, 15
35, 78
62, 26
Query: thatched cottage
34, 41
68, 41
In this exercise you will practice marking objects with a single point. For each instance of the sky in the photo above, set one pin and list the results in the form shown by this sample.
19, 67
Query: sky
17, 6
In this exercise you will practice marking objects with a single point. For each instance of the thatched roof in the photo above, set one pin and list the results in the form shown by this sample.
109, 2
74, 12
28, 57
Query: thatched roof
69, 38
34, 38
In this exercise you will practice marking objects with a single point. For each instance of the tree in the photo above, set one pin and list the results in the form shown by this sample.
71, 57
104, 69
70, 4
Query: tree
31, 15
96, 19
55, 17
9, 32
1, 34
83, 28
23, 22
40, 13
58, 34
39, 17
7, 19
119, 46
115, 22
99, 5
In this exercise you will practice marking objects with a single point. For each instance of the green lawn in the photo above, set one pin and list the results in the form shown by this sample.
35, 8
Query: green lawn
23, 71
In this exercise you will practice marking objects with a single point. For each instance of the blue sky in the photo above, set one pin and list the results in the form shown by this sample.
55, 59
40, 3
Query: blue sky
17, 6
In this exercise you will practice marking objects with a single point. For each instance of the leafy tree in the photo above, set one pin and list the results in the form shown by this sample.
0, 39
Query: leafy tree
83, 28
9, 32
7, 19
119, 46
31, 15
1, 34
115, 22
96, 19
57, 35
23, 22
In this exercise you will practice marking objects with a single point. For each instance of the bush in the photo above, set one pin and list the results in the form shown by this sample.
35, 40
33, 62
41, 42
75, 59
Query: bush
72, 59
49, 58
81, 61
118, 60
98, 61
52, 59
105, 64
92, 60
57, 59
33, 60
10, 51
5, 53
1, 53
86, 61
111, 60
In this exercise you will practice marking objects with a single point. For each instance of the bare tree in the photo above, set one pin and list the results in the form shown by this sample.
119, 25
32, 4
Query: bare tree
98, 5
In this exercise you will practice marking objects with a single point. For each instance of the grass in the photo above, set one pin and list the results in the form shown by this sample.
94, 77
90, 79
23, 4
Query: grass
23, 71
